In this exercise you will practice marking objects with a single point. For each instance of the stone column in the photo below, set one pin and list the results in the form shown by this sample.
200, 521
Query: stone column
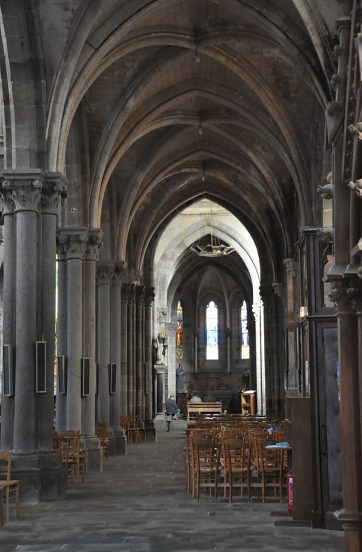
61, 399
27, 195
130, 344
266, 293
140, 292
74, 241
54, 186
349, 347
124, 384
35, 464
133, 350
7, 403
149, 424
104, 274
118, 432
90, 441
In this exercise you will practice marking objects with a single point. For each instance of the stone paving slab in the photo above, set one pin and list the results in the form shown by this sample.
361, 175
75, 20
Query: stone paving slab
139, 504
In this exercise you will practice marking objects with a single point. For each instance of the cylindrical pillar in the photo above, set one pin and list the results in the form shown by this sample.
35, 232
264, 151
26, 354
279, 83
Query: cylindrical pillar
26, 194
7, 402
124, 384
54, 186
61, 399
140, 291
104, 274
149, 298
91, 257
130, 338
116, 309
351, 515
74, 241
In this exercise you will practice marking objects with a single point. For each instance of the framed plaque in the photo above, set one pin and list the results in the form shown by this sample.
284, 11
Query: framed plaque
8, 371
85, 376
62, 374
40, 367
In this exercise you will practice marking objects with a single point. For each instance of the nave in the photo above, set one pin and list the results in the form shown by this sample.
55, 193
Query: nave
139, 504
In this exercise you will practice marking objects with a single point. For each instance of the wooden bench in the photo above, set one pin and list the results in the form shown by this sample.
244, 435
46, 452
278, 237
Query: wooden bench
194, 409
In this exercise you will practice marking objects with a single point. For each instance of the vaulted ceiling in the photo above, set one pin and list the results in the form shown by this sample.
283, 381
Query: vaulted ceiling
170, 101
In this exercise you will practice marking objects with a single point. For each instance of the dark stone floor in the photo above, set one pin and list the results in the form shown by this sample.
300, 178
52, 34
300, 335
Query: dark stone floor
139, 504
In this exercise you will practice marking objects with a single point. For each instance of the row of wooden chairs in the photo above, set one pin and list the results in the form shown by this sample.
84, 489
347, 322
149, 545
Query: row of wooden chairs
223, 459
67, 443
9, 488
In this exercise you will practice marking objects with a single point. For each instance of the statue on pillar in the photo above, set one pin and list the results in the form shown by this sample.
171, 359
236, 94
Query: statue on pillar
180, 384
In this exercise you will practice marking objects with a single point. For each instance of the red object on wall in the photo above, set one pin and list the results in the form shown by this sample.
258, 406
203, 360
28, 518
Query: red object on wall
290, 491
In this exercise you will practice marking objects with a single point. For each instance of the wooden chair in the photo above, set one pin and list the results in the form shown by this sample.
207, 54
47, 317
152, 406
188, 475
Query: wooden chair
102, 434
270, 469
9, 487
67, 442
134, 429
235, 462
205, 466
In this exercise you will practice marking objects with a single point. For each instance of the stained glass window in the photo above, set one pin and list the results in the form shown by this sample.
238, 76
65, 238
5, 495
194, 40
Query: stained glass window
179, 331
244, 334
212, 332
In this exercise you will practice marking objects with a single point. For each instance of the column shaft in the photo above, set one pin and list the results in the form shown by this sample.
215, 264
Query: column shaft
74, 342
104, 272
26, 284
90, 344
61, 400
7, 403
124, 383
139, 354
46, 400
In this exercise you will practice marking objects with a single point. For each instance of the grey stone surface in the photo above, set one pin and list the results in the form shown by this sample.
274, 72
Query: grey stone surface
139, 504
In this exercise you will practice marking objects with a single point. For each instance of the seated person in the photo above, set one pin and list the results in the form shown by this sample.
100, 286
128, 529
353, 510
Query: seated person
171, 407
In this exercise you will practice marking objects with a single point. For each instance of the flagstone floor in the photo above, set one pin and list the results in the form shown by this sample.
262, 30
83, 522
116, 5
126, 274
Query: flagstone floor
139, 504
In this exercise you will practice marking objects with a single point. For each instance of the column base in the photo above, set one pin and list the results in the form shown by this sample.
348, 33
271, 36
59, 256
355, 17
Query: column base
119, 441
352, 524
150, 431
42, 476
94, 454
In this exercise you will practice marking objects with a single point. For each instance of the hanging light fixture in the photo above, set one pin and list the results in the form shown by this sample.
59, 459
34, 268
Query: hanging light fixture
211, 246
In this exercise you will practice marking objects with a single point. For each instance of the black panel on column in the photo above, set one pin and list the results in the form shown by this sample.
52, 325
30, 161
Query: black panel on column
8, 371
85, 377
112, 378
40, 367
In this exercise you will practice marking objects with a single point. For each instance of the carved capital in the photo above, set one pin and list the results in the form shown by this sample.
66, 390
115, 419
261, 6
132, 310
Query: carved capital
105, 272
54, 187
341, 297
290, 266
278, 289
355, 293
7, 201
94, 243
26, 192
140, 294
72, 242
149, 296
120, 269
